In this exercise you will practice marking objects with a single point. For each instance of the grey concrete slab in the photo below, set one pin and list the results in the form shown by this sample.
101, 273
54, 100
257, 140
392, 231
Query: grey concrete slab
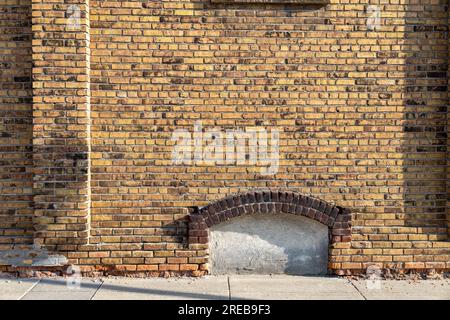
269, 244
61, 295
67, 285
13, 289
212, 288
63, 289
404, 289
281, 287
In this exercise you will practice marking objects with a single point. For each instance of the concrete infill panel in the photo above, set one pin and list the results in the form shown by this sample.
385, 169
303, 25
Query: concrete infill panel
265, 244
31, 258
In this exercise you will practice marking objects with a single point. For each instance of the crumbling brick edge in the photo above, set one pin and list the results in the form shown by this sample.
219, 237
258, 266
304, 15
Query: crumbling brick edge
91, 272
102, 271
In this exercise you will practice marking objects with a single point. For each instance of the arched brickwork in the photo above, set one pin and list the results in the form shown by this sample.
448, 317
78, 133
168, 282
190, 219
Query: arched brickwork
337, 219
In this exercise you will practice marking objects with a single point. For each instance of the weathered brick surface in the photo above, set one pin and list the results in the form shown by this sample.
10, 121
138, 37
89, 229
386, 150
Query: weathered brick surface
16, 211
356, 130
448, 126
362, 115
61, 122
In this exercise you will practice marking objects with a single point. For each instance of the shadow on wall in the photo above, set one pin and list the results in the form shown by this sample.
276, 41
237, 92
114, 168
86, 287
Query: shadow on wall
16, 212
269, 244
424, 148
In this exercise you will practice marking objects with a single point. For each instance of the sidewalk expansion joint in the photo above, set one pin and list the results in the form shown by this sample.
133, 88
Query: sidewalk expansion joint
101, 285
29, 290
356, 288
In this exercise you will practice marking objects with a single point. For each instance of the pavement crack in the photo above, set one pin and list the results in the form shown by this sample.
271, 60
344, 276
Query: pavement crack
29, 289
229, 288
101, 284
359, 291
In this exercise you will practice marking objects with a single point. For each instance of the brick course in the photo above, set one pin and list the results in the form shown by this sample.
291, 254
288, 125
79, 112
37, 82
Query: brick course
61, 125
16, 197
362, 116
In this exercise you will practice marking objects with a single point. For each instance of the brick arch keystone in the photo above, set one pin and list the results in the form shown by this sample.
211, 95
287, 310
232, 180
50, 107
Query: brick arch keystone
336, 218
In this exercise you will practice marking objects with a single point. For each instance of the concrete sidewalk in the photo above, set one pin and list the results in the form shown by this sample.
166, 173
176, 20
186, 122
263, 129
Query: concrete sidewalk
221, 287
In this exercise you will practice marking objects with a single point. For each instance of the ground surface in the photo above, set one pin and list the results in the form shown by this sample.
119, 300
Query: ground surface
222, 287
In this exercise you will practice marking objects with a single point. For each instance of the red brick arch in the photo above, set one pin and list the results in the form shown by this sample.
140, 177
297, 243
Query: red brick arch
337, 219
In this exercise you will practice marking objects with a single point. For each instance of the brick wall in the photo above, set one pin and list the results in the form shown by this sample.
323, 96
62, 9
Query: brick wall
448, 137
61, 118
16, 211
356, 130
362, 116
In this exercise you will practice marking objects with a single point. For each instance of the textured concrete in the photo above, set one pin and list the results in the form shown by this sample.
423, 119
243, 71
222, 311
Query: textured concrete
292, 288
61, 289
405, 290
164, 289
269, 244
13, 289
278, 287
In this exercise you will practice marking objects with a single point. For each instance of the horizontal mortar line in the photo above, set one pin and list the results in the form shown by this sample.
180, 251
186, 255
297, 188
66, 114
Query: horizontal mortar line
198, 179
95, 64
300, 179
16, 201
263, 77
281, 163
262, 91
296, 37
303, 41
428, 214
328, 136
176, 205
248, 165
233, 7
256, 173
353, 53
400, 162
233, 23
96, 54
382, 68
26, 179
27, 165
143, 214
14, 217
259, 64
234, 20
406, 142
111, 12
24, 236
402, 110
302, 152
384, 122
306, 85
271, 85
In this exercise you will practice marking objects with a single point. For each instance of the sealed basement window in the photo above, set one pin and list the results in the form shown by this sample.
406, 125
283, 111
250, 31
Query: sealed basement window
273, 1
